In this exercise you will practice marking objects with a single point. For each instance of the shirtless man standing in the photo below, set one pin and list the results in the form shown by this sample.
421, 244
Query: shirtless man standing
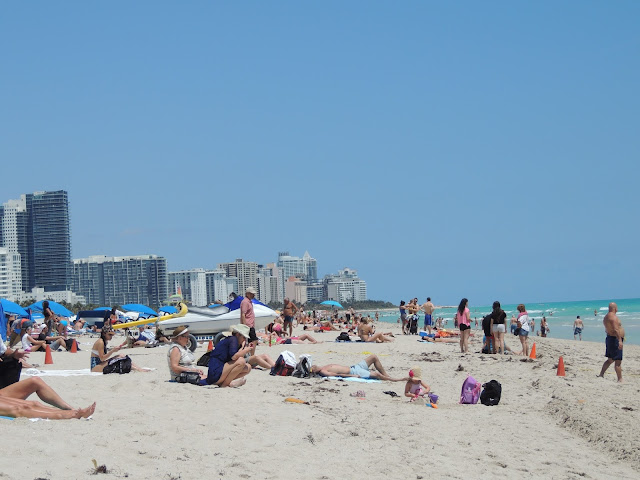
288, 311
577, 327
613, 342
360, 370
428, 309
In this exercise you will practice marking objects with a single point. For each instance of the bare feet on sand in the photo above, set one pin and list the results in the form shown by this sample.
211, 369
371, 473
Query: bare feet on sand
85, 412
238, 382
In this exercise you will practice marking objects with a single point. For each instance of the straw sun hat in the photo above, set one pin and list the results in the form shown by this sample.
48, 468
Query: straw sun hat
415, 373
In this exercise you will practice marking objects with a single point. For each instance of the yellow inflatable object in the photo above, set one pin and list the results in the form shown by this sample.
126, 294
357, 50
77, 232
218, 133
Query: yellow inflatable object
183, 311
295, 400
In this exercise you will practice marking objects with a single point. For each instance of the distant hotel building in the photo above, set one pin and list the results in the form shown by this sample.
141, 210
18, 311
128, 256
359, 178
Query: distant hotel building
108, 281
345, 286
36, 228
245, 272
305, 268
10, 280
200, 287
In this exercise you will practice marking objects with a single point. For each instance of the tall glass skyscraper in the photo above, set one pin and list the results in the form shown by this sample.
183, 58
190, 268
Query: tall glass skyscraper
48, 240
113, 281
37, 227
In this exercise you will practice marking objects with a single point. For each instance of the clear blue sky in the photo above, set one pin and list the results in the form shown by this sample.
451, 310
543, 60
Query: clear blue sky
480, 149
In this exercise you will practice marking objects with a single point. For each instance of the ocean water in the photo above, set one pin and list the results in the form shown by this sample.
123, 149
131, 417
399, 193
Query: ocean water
560, 317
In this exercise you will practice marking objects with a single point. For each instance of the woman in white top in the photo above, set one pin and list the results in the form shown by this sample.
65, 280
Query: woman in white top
523, 323
179, 357
30, 344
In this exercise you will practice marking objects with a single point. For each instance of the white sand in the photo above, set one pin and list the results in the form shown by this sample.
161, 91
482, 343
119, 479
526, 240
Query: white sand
147, 428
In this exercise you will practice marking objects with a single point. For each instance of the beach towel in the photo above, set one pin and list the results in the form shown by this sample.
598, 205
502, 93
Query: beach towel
356, 379
32, 372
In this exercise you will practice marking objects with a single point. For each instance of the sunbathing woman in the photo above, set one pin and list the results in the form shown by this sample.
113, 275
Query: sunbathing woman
366, 333
277, 330
100, 354
14, 403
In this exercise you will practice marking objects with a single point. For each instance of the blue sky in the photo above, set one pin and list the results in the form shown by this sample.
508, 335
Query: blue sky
480, 149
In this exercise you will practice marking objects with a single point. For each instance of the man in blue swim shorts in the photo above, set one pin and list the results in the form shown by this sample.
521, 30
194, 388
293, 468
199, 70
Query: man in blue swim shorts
428, 309
613, 342
360, 370
578, 325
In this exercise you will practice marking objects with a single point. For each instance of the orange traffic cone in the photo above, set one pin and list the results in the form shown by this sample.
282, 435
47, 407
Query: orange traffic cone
533, 351
210, 347
560, 372
74, 347
48, 359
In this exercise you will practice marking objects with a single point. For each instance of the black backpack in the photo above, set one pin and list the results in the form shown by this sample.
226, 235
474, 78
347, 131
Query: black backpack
343, 337
491, 394
118, 365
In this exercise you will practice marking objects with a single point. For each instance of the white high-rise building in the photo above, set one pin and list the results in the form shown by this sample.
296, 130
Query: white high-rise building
219, 286
268, 282
345, 286
10, 275
193, 285
245, 272
305, 268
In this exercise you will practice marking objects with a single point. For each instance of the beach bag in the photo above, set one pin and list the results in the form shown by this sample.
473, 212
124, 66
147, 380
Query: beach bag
343, 337
491, 394
303, 368
285, 364
203, 361
470, 391
118, 365
189, 377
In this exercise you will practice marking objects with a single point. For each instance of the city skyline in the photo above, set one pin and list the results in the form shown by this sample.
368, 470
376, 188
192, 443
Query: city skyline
486, 151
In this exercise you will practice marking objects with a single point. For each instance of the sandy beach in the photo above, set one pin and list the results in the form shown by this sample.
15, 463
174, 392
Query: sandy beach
145, 427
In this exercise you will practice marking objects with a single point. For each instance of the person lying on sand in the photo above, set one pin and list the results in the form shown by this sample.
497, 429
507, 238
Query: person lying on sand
360, 370
280, 339
366, 333
14, 403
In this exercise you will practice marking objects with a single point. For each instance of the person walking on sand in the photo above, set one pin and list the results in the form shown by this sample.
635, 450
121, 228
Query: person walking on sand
578, 325
464, 323
523, 325
428, 309
613, 342
288, 311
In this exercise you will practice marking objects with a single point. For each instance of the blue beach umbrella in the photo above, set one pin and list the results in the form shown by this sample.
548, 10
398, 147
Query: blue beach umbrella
168, 309
11, 308
102, 308
332, 303
137, 307
54, 306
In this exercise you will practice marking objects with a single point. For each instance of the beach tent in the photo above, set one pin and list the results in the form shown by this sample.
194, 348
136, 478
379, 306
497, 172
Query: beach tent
11, 308
55, 307
142, 309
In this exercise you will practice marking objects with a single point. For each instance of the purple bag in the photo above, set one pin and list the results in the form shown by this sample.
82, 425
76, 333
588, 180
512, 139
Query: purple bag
470, 391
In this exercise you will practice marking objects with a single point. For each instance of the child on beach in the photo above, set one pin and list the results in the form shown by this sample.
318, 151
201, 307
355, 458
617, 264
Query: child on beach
415, 387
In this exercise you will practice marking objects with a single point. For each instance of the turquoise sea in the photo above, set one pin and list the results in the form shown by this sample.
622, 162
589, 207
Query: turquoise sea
560, 317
